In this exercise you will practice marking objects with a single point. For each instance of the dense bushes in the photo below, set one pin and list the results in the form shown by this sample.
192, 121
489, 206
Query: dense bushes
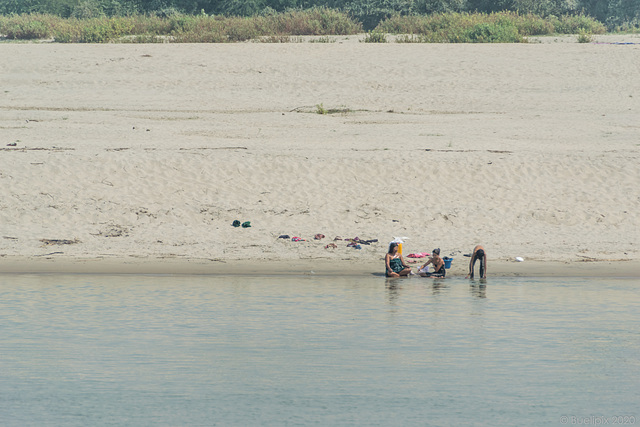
26, 27
615, 14
503, 27
178, 27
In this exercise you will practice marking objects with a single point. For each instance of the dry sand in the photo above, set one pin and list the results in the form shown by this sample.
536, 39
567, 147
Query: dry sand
138, 158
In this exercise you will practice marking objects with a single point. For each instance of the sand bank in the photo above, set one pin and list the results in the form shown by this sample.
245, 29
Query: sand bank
301, 267
146, 154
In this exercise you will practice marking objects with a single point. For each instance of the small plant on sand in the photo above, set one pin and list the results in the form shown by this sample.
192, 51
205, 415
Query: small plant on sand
320, 109
341, 110
323, 39
584, 37
411, 38
273, 39
375, 37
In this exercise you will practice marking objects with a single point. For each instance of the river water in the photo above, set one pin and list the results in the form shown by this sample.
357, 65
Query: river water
129, 350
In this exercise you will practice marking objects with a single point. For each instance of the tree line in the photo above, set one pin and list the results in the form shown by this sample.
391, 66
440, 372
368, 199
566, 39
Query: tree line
615, 14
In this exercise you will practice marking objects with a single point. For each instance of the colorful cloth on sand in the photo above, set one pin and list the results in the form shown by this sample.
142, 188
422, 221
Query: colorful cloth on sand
418, 255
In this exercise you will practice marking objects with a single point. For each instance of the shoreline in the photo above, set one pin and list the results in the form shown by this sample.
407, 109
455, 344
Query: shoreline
300, 267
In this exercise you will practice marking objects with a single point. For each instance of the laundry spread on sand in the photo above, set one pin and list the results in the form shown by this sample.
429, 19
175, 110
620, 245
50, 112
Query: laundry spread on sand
48, 242
354, 242
358, 240
418, 255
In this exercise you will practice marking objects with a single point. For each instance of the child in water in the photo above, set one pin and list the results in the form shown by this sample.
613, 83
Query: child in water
395, 263
438, 265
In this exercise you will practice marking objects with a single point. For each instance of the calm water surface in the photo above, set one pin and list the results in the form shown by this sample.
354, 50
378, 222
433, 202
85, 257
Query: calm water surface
84, 350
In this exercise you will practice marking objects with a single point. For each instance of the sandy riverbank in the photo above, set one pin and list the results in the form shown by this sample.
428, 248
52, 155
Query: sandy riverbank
154, 266
144, 155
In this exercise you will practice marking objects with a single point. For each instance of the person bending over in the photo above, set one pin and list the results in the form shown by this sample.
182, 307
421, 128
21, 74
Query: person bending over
395, 263
437, 263
478, 255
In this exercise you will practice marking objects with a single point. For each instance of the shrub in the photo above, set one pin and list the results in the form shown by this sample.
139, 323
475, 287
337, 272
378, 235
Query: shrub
88, 9
371, 12
574, 24
316, 22
179, 23
632, 26
65, 33
505, 27
501, 27
493, 33
333, 22
533, 25
96, 30
375, 38
205, 37
96, 34
143, 38
240, 29
26, 27
150, 24
584, 37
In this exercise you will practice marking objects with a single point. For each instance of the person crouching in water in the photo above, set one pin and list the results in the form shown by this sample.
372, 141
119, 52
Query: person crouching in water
437, 263
478, 255
395, 263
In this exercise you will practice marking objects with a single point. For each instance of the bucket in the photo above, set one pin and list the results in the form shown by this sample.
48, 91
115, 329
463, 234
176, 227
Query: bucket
447, 262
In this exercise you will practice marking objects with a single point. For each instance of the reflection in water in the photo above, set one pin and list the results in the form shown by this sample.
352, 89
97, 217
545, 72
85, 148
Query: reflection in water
393, 290
478, 290
146, 350
396, 284
438, 286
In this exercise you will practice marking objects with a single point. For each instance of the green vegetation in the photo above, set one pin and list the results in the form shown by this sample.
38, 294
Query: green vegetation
502, 27
584, 37
616, 15
321, 110
375, 37
179, 28
411, 21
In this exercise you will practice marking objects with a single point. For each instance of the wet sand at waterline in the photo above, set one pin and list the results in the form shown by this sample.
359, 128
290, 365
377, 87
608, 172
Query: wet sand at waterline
138, 158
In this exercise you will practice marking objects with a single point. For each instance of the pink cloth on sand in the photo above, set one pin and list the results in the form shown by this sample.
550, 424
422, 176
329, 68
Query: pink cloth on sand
418, 255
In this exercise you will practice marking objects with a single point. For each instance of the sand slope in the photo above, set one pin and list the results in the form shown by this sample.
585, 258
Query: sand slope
148, 151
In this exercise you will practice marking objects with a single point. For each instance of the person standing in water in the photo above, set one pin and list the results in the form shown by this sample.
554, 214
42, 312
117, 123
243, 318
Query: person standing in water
395, 263
478, 255
438, 265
